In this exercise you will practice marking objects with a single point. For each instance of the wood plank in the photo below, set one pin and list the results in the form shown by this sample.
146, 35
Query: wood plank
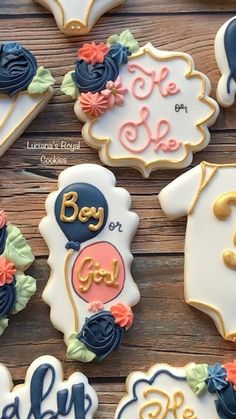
58, 53
24, 7
165, 328
25, 188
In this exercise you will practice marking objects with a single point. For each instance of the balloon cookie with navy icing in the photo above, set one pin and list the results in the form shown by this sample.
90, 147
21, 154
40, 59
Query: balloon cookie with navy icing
141, 107
46, 394
225, 47
16, 287
195, 391
88, 229
25, 89
77, 17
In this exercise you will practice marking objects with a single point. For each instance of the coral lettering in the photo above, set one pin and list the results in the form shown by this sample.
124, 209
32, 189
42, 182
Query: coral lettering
130, 133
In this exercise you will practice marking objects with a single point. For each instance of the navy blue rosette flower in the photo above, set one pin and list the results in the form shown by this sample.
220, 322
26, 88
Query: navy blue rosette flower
101, 334
226, 403
18, 67
217, 378
7, 298
119, 53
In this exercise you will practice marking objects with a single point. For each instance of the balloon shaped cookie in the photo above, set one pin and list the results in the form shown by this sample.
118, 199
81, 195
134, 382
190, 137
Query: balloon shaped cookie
225, 52
142, 107
25, 89
77, 17
88, 229
197, 391
45, 394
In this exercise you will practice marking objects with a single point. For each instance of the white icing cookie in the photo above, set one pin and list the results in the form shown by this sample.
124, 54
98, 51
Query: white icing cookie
88, 230
207, 195
225, 52
77, 17
142, 107
165, 392
45, 394
25, 90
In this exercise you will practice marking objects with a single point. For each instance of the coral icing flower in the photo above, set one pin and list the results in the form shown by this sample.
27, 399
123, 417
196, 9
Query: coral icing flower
7, 271
3, 219
231, 372
123, 314
94, 104
93, 53
114, 92
95, 306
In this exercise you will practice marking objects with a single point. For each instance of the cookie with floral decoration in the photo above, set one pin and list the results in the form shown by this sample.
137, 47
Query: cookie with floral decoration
141, 107
77, 17
16, 288
88, 229
25, 90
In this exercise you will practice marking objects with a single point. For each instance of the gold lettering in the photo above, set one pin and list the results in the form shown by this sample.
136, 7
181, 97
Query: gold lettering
69, 201
90, 271
98, 215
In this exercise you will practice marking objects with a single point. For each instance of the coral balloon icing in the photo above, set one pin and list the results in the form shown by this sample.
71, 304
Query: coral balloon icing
142, 107
88, 230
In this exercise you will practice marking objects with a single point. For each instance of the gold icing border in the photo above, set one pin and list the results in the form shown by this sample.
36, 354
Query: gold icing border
84, 27
140, 164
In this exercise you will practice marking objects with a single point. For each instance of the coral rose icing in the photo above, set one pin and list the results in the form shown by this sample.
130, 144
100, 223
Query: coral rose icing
88, 228
159, 106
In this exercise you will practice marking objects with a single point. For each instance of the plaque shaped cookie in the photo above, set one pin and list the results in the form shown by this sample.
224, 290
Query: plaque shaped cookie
25, 90
141, 107
225, 44
16, 288
88, 230
207, 195
197, 391
45, 393
77, 17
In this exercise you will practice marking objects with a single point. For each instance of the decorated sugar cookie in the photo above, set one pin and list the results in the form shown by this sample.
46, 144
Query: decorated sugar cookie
225, 44
207, 195
16, 256
77, 17
25, 90
141, 107
197, 391
45, 393
88, 230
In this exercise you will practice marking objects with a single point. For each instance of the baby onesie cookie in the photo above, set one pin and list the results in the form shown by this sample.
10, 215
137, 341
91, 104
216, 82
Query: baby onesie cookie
45, 393
77, 17
196, 391
88, 229
225, 45
25, 90
141, 107
16, 288
207, 195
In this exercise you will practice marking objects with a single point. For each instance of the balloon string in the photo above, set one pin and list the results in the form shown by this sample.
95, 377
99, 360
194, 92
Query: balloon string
68, 288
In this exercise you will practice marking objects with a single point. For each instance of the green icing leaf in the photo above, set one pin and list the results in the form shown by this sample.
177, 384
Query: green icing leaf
126, 39
17, 249
3, 324
41, 82
69, 87
25, 288
78, 351
196, 378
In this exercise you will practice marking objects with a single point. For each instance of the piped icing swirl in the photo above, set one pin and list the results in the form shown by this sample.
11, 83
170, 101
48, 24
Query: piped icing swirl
93, 78
7, 298
18, 67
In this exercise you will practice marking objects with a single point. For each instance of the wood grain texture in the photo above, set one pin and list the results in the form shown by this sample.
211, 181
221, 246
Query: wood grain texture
166, 329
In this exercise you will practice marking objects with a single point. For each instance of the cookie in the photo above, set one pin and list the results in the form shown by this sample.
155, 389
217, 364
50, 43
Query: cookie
141, 107
196, 391
76, 17
25, 90
207, 195
16, 256
46, 394
88, 230
225, 44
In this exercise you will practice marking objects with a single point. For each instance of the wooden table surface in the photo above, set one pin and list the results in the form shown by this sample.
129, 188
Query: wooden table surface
166, 329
